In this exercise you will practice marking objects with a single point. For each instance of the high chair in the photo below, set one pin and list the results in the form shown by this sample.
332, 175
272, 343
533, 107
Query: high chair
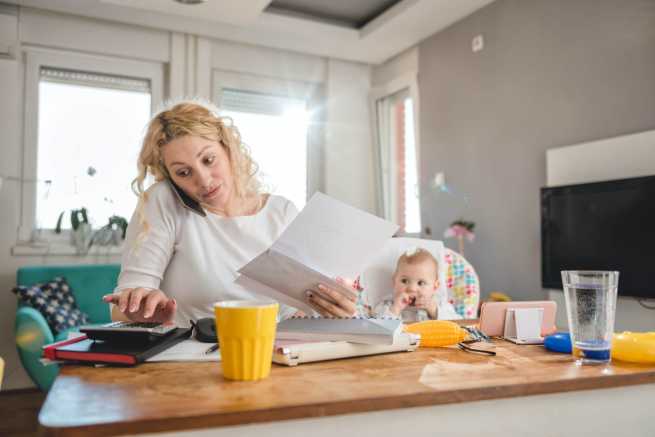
458, 282
462, 284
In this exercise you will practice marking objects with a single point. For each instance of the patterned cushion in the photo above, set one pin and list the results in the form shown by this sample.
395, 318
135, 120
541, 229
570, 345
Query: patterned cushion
55, 301
463, 285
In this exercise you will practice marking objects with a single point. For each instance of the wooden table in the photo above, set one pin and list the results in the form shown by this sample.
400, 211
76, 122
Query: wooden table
162, 397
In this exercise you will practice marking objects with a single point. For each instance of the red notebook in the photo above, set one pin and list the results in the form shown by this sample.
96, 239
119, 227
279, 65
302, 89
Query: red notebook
102, 352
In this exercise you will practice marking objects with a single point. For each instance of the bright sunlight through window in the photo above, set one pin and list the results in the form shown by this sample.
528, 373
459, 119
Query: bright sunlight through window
412, 207
88, 141
278, 143
399, 183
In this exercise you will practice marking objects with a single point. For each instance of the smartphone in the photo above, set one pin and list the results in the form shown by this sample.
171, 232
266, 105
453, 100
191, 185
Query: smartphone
187, 201
492, 315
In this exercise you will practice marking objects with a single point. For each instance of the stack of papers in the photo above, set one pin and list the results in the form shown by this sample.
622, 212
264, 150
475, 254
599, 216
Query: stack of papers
355, 330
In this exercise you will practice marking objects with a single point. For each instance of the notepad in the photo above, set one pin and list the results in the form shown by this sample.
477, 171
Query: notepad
187, 350
356, 330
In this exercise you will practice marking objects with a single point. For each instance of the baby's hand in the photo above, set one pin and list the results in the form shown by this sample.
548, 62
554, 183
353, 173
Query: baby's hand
428, 303
400, 302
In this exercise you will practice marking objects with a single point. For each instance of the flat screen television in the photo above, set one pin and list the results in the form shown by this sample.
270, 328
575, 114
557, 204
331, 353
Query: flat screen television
601, 226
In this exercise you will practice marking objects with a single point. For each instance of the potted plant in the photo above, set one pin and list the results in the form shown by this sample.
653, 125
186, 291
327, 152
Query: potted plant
81, 232
112, 233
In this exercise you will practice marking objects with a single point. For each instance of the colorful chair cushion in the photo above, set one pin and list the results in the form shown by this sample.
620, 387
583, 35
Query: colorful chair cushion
462, 284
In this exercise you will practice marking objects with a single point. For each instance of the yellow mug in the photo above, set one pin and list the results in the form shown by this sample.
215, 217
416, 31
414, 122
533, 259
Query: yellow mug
246, 331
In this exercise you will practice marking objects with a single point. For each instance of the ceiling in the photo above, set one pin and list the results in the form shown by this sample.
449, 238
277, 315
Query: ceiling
369, 31
347, 13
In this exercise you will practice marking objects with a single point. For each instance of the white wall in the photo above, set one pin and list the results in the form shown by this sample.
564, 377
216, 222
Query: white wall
189, 61
54, 30
626, 156
399, 66
348, 141
612, 158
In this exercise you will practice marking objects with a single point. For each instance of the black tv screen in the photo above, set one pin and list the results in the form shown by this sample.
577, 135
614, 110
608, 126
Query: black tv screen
601, 226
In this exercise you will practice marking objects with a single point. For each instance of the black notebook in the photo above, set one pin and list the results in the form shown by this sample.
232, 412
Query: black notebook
121, 353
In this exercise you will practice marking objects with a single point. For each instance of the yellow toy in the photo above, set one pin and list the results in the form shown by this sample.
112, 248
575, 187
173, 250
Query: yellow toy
435, 333
634, 347
499, 296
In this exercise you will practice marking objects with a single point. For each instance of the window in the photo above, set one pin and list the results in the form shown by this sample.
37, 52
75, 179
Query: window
279, 120
398, 161
85, 116
89, 133
275, 130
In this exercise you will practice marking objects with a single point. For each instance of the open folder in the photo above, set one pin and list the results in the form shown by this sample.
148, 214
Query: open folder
327, 239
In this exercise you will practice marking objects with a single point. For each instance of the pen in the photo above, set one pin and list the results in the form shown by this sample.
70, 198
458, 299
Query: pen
213, 348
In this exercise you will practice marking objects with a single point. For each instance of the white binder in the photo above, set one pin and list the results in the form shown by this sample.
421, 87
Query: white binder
294, 352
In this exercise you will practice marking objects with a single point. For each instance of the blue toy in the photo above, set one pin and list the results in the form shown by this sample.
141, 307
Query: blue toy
558, 342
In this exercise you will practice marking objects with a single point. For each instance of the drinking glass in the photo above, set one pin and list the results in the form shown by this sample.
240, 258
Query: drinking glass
591, 308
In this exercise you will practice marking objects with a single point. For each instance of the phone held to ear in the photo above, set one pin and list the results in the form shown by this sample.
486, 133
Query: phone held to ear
187, 201
492, 315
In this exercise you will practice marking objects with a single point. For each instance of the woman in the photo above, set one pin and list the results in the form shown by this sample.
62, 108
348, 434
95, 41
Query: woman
204, 218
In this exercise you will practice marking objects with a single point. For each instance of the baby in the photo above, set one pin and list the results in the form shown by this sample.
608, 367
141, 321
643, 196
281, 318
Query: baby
415, 284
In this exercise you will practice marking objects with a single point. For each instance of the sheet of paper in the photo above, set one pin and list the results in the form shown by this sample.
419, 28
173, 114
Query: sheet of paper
264, 290
286, 279
334, 238
327, 239
187, 350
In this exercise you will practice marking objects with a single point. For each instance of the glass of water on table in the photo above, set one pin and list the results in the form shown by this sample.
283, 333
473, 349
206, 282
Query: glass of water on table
591, 307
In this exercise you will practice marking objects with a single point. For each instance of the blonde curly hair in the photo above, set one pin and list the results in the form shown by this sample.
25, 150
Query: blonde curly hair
195, 118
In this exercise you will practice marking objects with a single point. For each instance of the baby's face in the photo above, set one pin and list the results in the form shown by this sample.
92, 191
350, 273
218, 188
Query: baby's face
415, 280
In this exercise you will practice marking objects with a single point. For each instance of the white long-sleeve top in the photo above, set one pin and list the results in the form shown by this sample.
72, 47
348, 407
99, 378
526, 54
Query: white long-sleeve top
195, 259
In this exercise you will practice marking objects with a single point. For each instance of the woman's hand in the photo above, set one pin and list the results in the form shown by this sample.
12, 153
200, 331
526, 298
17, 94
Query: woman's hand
331, 303
144, 305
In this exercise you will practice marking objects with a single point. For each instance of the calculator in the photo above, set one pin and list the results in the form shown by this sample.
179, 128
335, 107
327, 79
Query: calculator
127, 331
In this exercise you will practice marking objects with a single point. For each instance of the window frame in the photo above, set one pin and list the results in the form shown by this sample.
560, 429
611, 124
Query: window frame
35, 59
310, 92
407, 82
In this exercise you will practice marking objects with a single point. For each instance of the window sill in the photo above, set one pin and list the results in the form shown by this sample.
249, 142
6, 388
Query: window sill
59, 249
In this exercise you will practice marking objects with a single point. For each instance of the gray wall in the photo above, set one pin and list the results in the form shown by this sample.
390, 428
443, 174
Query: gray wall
552, 73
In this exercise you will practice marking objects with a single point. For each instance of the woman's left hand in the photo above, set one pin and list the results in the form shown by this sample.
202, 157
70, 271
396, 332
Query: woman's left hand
329, 302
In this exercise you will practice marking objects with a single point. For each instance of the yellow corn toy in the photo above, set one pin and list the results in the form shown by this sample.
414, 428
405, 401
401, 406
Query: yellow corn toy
436, 333
634, 347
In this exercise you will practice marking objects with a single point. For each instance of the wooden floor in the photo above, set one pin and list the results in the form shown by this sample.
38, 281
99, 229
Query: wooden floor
19, 410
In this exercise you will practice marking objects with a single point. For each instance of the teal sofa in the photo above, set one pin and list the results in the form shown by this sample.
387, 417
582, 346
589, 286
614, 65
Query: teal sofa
89, 282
